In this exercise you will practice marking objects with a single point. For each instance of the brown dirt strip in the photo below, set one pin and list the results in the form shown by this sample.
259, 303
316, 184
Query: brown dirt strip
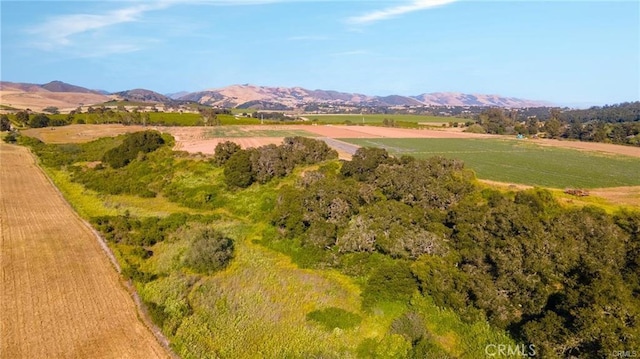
60, 297
208, 146
341, 131
629, 196
592, 146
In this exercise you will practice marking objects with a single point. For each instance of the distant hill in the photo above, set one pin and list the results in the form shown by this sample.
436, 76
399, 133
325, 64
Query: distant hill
251, 96
64, 95
461, 99
56, 93
142, 95
176, 95
59, 86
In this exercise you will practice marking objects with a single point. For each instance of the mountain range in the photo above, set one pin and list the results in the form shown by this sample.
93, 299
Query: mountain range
64, 95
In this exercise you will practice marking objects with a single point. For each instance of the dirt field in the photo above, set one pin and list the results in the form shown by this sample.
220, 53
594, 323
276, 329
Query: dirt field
60, 296
337, 131
208, 146
629, 196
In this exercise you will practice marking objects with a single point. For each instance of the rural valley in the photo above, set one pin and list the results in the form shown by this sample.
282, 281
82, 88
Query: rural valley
311, 179
317, 235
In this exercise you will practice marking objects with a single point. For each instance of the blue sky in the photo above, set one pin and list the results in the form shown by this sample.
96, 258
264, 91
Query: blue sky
569, 52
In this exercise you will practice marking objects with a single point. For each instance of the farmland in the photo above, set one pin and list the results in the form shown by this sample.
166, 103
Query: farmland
296, 284
522, 162
547, 163
60, 296
377, 119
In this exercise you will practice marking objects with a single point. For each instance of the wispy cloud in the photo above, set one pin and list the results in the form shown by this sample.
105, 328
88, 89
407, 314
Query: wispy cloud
59, 31
397, 10
65, 30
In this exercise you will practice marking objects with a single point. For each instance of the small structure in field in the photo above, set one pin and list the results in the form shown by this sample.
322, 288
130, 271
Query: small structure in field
577, 192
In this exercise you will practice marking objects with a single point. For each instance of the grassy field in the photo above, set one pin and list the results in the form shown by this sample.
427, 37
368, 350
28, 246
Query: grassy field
522, 162
244, 132
59, 295
378, 118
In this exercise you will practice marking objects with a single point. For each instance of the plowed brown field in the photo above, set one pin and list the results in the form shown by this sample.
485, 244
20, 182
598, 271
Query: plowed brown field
60, 297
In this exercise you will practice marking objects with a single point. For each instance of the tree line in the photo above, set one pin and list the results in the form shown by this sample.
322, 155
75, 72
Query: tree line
619, 124
242, 167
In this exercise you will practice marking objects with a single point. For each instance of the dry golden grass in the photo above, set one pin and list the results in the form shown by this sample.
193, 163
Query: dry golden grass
60, 297
40, 99
79, 133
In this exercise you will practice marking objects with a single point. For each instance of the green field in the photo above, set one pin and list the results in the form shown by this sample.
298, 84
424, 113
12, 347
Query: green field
522, 162
378, 118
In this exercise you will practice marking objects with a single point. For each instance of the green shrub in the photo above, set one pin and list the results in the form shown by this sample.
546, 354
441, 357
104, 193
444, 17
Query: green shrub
145, 142
237, 170
10, 138
333, 317
210, 251
475, 128
392, 281
157, 313
39, 120
427, 348
224, 151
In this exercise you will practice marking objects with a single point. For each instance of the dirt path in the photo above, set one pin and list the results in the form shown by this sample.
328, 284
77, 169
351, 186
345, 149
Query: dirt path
60, 297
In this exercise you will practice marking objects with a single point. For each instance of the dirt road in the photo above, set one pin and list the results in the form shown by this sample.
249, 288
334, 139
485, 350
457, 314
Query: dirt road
60, 297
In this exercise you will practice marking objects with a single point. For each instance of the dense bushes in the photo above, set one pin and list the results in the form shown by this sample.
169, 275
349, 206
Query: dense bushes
145, 231
5, 123
139, 142
547, 274
391, 281
224, 151
244, 167
386, 211
238, 171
